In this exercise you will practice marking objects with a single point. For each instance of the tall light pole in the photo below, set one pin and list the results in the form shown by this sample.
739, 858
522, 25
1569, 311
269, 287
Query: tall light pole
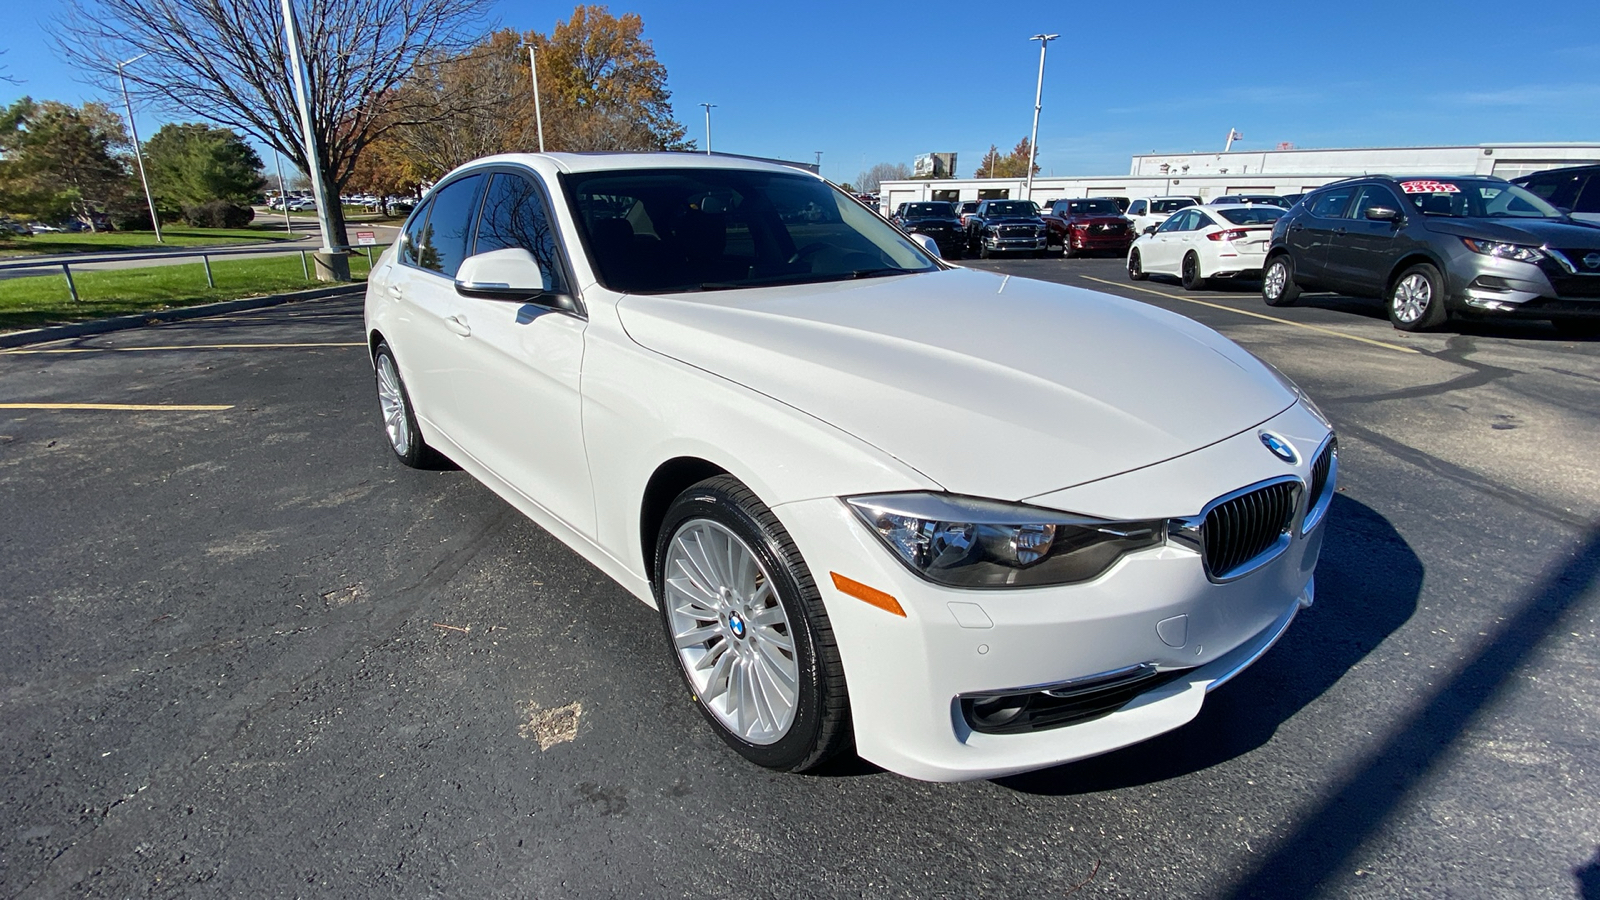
538, 114
1038, 95
708, 107
819, 161
332, 265
138, 152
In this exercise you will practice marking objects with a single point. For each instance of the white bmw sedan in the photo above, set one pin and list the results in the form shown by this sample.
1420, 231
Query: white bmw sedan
1202, 243
969, 524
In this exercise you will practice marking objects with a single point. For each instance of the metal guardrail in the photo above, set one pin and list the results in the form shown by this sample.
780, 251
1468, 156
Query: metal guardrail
203, 253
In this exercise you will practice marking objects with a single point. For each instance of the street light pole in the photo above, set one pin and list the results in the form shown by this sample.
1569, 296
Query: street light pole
708, 107
331, 262
1038, 96
538, 114
138, 152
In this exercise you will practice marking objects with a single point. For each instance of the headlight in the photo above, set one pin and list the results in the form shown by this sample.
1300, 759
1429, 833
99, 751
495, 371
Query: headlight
972, 543
1517, 252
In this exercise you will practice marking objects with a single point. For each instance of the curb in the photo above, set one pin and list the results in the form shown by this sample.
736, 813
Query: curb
139, 320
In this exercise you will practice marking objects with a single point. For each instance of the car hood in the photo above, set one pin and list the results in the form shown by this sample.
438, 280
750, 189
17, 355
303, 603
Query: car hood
1536, 232
990, 385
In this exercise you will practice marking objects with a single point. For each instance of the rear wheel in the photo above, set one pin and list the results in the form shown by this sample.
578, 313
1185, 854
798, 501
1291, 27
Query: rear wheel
745, 621
1416, 299
1136, 270
399, 420
1192, 279
1277, 282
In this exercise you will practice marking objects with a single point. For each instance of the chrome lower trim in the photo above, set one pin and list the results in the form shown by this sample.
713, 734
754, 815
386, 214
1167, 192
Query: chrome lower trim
1072, 686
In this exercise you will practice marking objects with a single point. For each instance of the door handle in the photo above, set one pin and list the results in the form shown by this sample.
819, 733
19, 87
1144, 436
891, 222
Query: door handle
1341, 231
1296, 227
458, 325
395, 291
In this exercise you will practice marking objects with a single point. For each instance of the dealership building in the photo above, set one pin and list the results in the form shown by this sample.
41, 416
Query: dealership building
1283, 171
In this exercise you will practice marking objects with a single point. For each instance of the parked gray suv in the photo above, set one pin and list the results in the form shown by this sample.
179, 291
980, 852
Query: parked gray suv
1433, 247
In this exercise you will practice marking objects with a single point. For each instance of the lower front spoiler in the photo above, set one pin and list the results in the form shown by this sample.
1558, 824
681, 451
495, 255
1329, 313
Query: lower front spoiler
1165, 707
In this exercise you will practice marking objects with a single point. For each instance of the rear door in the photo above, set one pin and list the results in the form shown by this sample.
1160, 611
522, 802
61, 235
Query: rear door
1311, 234
1360, 257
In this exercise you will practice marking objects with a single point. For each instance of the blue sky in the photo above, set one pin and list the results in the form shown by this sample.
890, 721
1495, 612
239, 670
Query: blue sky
872, 82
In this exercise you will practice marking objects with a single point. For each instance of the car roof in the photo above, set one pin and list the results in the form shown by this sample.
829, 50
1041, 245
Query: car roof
1564, 170
614, 161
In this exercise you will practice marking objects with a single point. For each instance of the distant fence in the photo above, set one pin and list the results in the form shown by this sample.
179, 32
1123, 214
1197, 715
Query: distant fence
204, 254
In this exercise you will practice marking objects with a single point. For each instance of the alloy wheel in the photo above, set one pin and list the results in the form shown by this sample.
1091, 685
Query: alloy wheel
393, 404
731, 632
1272, 285
1411, 298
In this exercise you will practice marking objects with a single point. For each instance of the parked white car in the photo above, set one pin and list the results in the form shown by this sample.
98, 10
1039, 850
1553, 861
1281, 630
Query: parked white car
971, 523
1147, 211
1203, 243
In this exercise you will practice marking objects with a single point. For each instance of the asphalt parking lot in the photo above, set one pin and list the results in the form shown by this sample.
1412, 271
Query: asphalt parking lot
247, 653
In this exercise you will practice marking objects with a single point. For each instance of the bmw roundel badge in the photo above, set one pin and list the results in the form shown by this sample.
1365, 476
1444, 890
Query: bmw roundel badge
1280, 448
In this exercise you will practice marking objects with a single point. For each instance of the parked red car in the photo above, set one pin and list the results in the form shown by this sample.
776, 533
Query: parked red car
1088, 225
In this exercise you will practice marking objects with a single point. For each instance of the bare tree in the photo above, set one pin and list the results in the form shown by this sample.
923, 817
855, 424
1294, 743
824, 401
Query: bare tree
224, 60
869, 180
9, 79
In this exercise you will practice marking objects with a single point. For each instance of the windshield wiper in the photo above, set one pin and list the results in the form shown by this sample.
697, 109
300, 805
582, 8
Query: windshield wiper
878, 273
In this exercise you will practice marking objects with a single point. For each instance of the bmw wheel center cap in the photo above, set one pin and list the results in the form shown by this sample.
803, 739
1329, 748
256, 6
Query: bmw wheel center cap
736, 624
1280, 448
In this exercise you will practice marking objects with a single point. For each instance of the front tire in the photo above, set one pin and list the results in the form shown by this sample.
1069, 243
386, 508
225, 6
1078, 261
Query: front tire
1277, 282
1136, 270
746, 623
399, 419
1416, 299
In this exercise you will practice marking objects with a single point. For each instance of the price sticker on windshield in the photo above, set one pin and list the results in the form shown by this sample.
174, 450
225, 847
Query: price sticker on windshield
1429, 187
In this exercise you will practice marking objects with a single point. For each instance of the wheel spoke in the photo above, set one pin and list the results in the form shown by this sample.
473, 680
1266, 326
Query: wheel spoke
718, 682
694, 637
713, 656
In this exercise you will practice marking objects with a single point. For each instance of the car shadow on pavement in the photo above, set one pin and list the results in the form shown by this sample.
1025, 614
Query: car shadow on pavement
1588, 878
1368, 581
1510, 329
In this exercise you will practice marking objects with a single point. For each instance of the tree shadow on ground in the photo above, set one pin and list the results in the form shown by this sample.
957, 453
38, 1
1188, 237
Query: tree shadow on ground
1368, 581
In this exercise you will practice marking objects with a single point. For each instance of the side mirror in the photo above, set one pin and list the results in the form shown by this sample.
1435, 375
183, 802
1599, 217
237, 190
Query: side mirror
1150, 229
928, 244
1383, 214
1564, 210
508, 274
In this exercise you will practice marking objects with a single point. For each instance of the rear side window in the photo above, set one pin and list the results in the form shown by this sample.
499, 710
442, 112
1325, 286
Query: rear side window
1331, 204
410, 249
444, 239
515, 215
1589, 200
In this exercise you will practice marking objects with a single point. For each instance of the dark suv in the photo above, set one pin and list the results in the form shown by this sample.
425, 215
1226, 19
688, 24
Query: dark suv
936, 219
1576, 188
1006, 226
1431, 247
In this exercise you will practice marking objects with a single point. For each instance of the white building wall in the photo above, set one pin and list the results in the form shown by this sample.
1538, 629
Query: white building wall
1274, 172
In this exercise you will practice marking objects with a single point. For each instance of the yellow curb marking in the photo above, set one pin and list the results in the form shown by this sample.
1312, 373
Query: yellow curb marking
180, 347
1245, 312
118, 407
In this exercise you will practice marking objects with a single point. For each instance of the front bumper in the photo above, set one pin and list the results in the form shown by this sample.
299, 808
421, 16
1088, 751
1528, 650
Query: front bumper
1512, 289
1006, 244
907, 675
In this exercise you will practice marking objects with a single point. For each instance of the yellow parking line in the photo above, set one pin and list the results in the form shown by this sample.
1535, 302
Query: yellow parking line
1246, 312
116, 407
181, 347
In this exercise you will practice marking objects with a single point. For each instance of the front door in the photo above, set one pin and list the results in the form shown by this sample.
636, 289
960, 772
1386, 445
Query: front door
519, 388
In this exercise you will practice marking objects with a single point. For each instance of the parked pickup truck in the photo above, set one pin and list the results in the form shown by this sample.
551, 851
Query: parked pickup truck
1089, 225
1006, 226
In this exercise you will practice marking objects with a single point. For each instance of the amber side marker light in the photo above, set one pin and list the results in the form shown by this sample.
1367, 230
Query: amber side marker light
869, 594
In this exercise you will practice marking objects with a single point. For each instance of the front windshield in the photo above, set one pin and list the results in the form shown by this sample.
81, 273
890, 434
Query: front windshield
686, 229
1255, 215
1463, 198
1094, 208
1170, 205
928, 210
1013, 208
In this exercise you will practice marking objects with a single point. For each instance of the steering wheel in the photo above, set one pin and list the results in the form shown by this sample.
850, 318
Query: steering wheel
807, 250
